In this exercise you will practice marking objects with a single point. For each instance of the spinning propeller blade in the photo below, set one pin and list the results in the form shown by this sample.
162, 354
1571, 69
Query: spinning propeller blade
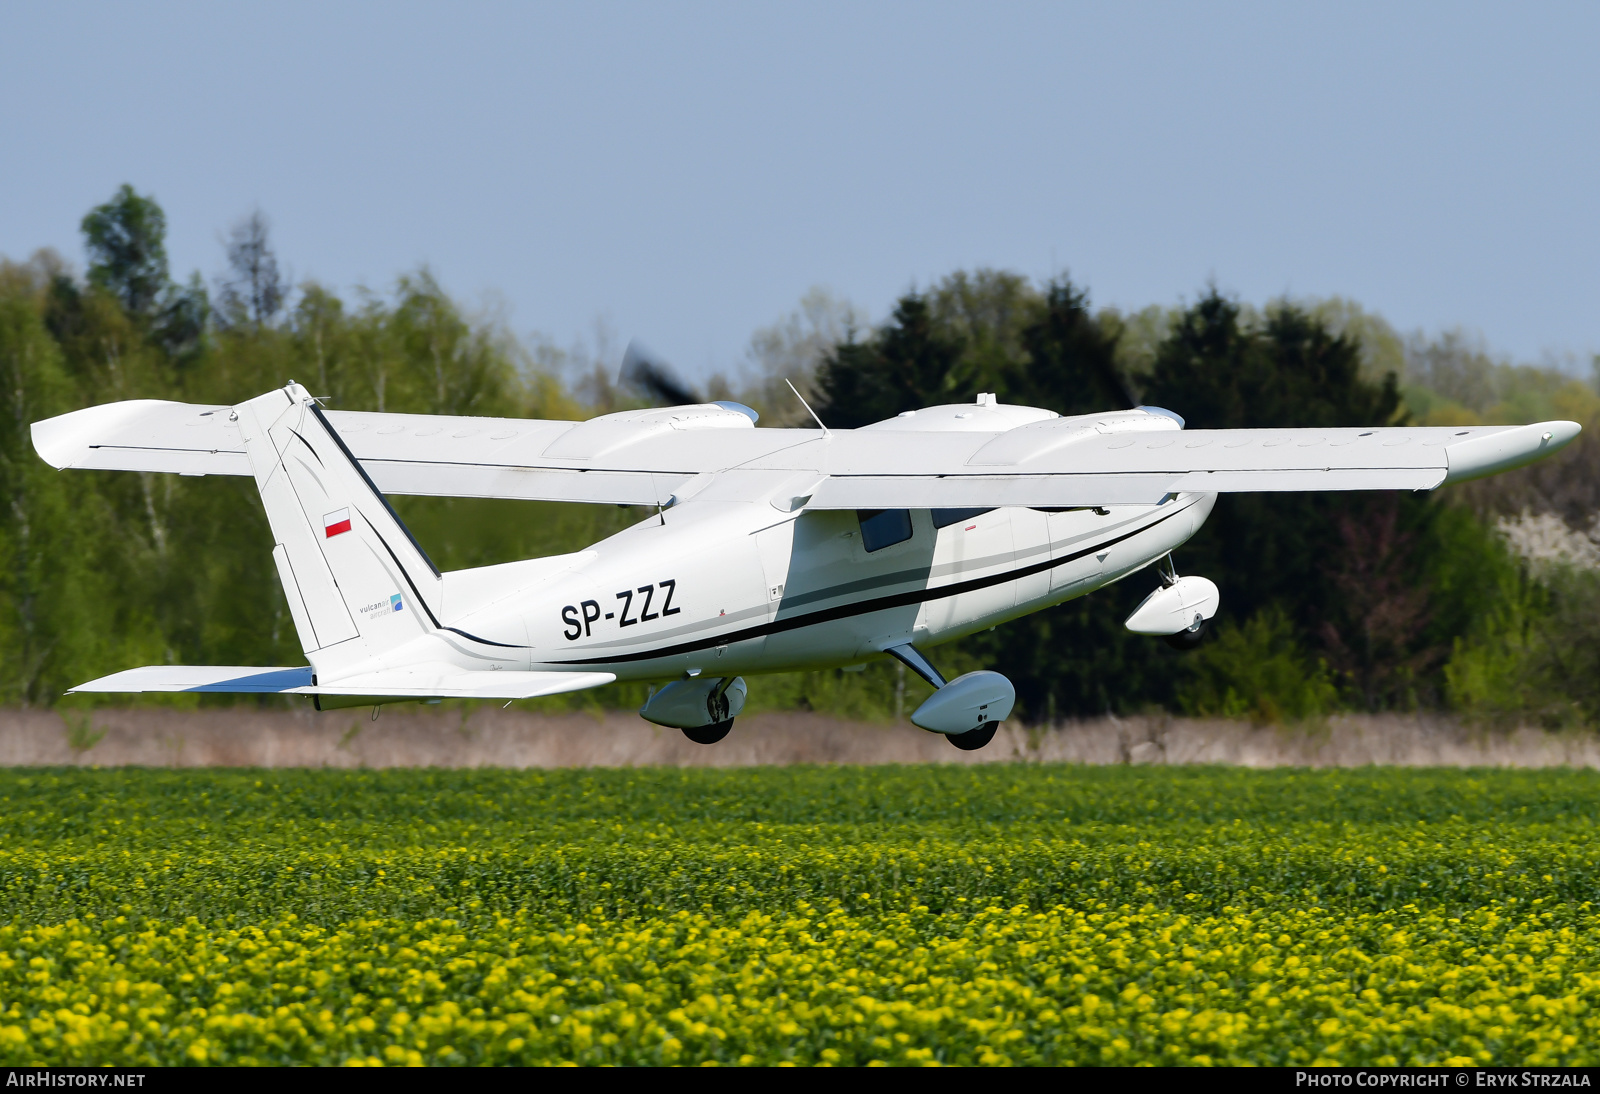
1116, 386
652, 377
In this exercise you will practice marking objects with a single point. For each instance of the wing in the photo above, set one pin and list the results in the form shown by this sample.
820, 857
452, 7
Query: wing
632, 458
941, 457
1063, 463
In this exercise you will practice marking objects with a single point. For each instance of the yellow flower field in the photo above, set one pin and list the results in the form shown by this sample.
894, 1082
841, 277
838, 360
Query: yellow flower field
812, 916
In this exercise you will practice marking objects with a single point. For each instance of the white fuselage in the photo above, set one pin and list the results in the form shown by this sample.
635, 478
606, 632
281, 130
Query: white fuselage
737, 587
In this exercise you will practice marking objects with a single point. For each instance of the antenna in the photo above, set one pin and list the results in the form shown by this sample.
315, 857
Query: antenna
655, 491
826, 432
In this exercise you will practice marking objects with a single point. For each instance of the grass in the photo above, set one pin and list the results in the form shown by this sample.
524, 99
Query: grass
1022, 914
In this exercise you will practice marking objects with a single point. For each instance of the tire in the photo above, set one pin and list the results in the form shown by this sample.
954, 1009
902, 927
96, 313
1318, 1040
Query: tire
973, 739
709, 735
1189, 639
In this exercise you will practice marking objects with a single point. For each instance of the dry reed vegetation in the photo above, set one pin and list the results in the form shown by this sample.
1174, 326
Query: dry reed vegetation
490, 737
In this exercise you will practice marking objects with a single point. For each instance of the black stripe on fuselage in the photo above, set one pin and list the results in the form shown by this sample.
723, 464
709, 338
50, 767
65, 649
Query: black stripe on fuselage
864, 607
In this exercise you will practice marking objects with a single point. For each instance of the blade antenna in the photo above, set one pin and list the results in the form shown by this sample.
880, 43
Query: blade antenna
826, 432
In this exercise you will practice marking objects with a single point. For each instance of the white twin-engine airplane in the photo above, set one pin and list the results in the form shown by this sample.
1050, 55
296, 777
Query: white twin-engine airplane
765, 550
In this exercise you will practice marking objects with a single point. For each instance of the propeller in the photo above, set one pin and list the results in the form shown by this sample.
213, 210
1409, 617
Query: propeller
652, 377
648, 375
1117, 386
1111, 376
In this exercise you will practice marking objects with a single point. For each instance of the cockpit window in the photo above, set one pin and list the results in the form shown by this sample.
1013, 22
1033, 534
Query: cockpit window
944, 518
882, 528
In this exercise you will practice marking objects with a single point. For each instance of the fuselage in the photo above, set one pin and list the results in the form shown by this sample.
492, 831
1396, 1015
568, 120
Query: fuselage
726, 586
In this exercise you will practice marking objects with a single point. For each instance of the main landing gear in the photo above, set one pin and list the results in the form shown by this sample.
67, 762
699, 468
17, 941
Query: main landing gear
1189, 639
709, 735
973, 739
1179, 612
703, 707
967, 710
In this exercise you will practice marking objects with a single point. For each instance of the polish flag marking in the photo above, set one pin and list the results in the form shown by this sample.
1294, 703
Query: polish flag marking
335, 523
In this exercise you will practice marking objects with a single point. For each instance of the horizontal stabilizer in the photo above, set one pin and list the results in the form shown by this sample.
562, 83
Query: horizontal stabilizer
450, 682
228, 679
424, 682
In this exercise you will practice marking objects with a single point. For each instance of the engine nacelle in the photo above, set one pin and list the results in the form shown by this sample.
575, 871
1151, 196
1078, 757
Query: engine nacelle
966, 703
691, 704
1176, 608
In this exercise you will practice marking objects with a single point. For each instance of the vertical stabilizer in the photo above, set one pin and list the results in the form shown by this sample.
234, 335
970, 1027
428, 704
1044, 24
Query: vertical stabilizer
357, 582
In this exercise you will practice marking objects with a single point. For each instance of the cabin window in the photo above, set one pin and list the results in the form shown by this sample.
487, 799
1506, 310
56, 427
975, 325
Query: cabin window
944, 518
882, 528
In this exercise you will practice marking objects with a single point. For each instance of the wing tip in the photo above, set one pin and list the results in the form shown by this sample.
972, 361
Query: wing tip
1507, 449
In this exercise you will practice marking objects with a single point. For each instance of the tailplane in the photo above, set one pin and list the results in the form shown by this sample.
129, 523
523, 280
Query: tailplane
425, 681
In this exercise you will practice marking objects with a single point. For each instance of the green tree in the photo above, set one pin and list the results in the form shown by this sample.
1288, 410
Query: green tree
1068, 360
909, 363
253, 290
127, 243
55, 609
1356, 574
450, 366
1257, 671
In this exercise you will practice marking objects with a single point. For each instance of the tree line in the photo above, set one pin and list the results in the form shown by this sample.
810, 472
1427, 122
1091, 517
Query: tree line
1330, 601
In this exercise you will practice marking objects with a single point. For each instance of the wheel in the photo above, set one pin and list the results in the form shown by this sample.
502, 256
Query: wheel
709, 735
1189, 639
973, 739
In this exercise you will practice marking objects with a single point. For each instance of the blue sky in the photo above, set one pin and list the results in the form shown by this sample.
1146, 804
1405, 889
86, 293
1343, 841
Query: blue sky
688, 170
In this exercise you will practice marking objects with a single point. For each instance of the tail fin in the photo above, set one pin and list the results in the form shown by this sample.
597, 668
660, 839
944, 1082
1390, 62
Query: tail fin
354, 576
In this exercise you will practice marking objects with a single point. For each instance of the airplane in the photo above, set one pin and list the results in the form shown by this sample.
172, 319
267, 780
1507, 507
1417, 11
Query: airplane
764, 550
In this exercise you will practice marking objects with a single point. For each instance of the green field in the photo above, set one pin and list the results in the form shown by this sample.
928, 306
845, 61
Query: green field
1003, 914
